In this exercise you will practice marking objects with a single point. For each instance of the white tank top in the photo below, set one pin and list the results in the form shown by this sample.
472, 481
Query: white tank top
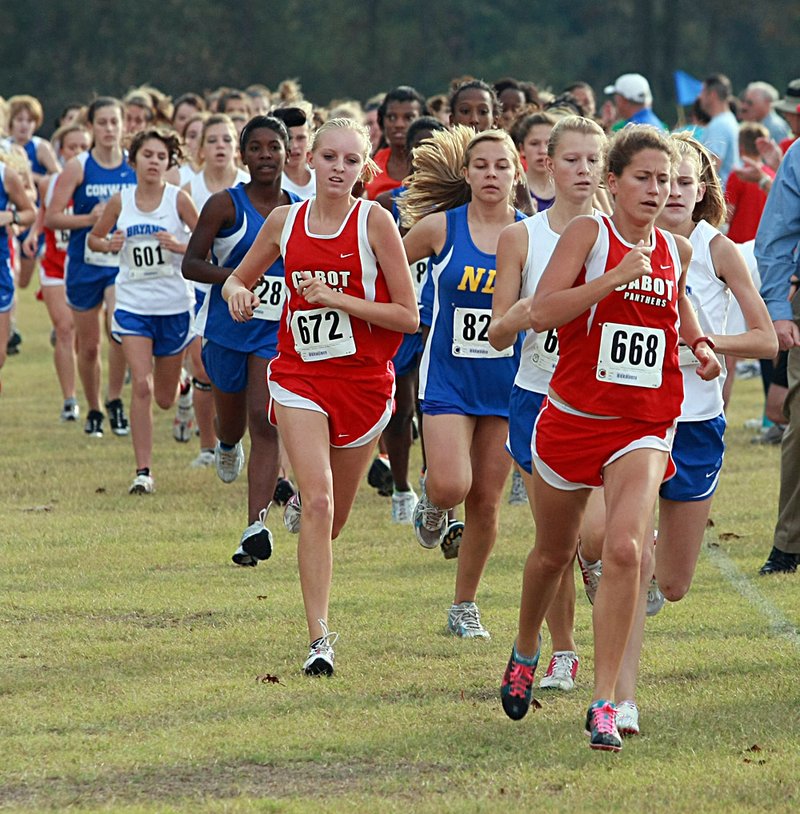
710, 299
150, 280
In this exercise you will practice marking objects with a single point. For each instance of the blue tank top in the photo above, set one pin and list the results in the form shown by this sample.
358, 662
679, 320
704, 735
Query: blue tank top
459, 368
30, 149
260, 334
5, 254
98, 185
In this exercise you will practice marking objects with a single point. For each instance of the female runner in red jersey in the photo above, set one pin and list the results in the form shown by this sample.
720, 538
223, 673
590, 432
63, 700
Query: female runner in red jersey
615, 289
332, 383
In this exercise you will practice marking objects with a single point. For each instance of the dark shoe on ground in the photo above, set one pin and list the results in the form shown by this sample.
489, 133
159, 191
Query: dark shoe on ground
779, 562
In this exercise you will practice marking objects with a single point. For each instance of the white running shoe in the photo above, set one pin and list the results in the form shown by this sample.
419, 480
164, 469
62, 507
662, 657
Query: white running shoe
655, 599
429, 522
591, 573
183, 424
230, 462
203, 460
518, 496
561, 671
403, 504
291, 514
256, 542
464, 621
142, 485
320, 653
70, 410
627, 718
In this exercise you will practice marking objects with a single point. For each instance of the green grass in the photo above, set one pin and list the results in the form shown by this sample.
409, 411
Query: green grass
131, 648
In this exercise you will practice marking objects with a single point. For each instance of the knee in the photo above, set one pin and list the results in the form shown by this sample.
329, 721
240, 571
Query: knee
553, 560
318, 505
673, 590
164, 400
621, 553
142, 387
89, 351
445, 493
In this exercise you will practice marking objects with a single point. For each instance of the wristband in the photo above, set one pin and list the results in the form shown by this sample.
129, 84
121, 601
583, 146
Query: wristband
14, 217
710, 342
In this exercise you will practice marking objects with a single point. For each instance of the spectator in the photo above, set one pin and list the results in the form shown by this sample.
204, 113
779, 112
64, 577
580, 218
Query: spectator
721, 135
756, 106
789, 108
633, 101
776, 245
746, 199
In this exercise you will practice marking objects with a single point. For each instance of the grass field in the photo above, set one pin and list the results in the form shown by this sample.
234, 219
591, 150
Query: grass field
131, 649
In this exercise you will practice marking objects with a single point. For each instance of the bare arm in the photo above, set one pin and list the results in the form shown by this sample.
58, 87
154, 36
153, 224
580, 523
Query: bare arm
510, 314
426, 237
46, 156
100, 239
261, 255
217, 213
760, 340
69, 180
187, 212
401, 314
25, 213
556, 302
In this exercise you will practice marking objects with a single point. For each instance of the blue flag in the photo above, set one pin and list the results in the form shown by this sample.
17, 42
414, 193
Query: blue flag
687, 88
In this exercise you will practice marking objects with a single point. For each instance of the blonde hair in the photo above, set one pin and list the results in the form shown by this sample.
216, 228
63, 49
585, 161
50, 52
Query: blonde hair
712, 207
575, 124
632, 139
370, 169
438, 181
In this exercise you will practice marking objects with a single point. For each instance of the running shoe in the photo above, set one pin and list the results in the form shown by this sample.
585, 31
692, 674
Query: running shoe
70, 411
283, 491
94, 424
291, 514
203, 460
229, 462
142, 485
403, 504
561, 671
380, 476
591, 573
655, 599
779, 562
183, 423
116, 417
14, 341
256, 542
518, 496
627, 718
516, 690
451, 540
429, 522
320, 653
464, 621
601, 726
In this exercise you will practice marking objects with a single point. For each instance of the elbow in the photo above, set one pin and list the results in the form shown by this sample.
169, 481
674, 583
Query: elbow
186, 267
413, 322
538, 322
771, 347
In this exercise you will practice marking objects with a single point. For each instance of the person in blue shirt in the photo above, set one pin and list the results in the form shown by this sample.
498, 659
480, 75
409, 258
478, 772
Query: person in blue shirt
633, 101
778, 254
721, 135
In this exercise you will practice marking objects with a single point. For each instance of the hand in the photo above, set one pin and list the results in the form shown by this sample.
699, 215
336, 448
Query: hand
709, 367
317, 292
241, 305
31, 244
750, 170
788, 334
97, 210
116, 241
635, 264
769, 151
168, 241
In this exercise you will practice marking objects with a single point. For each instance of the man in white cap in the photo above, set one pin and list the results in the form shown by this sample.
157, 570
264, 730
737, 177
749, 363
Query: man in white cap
633, 101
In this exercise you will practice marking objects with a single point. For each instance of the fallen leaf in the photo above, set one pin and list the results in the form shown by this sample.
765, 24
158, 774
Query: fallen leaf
269, 679
261, 596
729, 535
101, 490
462, 696
710, 523
754, 748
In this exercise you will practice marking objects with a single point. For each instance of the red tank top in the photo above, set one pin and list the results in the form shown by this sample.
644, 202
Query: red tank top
323, 340
383, 181
620, 357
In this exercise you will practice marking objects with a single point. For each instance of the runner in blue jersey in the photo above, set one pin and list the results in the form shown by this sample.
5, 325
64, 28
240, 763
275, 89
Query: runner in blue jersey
89, 181
467, 180
235, 355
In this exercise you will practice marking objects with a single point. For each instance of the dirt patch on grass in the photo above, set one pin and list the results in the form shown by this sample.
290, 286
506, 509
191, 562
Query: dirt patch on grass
223, 781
